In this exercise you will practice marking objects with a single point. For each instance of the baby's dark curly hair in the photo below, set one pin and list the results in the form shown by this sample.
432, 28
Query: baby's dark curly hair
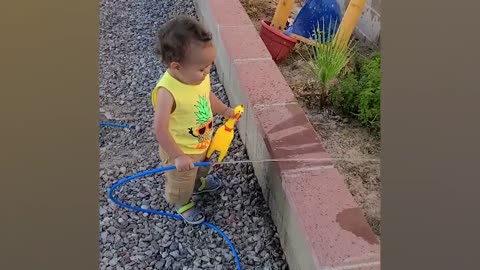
175, 37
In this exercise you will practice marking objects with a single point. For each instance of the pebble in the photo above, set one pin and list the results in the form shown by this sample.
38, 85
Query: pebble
159, 264
175, 254
113, 262
169, 262
177, 266
228, 257
103, 236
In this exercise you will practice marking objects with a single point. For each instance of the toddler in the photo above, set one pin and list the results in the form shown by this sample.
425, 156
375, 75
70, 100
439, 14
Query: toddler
184, 106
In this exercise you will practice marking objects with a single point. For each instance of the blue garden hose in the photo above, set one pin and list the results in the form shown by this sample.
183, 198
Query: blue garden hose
111, 124
165, 214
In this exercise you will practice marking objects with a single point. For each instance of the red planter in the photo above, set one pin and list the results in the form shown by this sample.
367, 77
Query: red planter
278, 44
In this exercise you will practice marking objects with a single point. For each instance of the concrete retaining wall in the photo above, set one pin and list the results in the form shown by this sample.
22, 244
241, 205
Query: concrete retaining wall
319, 224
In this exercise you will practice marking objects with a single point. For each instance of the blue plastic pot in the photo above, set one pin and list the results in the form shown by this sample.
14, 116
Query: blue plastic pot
316, 13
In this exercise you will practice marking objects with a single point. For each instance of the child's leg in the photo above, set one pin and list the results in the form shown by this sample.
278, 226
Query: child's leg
202, 171
203, 181
178, 191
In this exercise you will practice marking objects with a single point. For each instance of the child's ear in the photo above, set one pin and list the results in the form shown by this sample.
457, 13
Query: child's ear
174, 65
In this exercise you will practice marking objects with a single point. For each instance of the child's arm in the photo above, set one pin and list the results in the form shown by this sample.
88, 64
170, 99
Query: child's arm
163, 109
219, 108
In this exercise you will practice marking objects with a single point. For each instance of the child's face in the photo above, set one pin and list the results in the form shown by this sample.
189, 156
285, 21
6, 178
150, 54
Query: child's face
197, 65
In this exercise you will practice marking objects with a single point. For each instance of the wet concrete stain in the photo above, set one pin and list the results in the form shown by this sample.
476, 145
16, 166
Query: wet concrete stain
348, 220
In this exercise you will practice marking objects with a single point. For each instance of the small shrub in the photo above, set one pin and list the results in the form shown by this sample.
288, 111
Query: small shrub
344, 96
358, 92
369, 98
328, 58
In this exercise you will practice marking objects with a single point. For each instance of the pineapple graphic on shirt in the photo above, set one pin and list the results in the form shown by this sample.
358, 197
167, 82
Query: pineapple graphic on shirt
204, 128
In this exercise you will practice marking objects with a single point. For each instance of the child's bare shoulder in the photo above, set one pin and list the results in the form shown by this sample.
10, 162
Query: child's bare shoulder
165, 99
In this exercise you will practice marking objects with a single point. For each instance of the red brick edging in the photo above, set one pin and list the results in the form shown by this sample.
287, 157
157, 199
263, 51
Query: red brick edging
319, 223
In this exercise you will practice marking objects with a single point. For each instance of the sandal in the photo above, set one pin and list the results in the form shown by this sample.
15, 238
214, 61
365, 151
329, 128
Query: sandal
207, 184
194, 217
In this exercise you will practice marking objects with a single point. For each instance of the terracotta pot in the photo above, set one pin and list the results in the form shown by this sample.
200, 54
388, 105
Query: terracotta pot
278, 44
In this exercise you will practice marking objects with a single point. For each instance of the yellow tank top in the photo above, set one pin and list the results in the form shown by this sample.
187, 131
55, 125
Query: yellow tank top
191, 123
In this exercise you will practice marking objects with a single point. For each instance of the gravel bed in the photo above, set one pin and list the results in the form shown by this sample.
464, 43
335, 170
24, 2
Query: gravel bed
132, 240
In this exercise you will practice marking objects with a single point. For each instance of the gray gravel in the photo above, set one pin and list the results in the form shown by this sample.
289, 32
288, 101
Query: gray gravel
132, 240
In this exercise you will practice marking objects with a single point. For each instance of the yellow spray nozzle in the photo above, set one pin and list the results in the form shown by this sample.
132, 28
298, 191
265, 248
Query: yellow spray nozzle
224, 135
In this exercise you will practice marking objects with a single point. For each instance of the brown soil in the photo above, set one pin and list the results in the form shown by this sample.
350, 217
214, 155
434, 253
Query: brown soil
342, 137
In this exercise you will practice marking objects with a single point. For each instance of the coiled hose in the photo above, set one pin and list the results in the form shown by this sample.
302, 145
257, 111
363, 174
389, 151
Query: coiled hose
125, 180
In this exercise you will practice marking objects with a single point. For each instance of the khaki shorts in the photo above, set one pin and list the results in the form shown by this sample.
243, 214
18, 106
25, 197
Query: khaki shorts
179, 185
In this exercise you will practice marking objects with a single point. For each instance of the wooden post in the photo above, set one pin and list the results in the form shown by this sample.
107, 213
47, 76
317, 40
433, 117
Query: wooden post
282, 12
350, 20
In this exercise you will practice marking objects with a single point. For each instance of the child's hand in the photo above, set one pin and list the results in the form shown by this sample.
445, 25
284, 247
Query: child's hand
184, 163
229, 113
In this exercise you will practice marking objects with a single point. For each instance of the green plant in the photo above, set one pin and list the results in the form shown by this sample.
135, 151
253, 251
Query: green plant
344, 96
369, 96
328, 57
358, 92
